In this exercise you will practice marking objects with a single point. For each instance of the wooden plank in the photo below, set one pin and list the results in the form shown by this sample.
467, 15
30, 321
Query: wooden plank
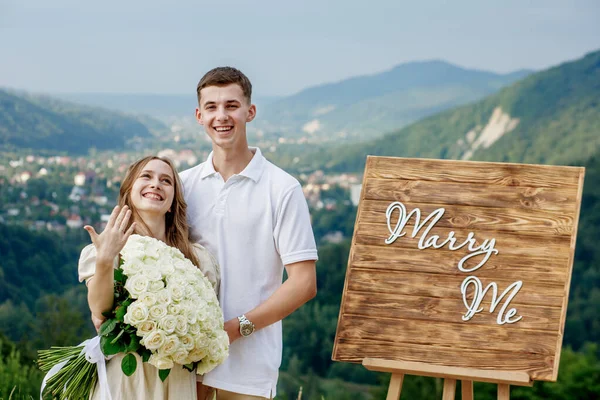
480, 219
537, 366
466, 389
446, 286
459, 335
395, 388
435, 309
439, 371
548, 268
473, 195
503, 391
563, 318
449, 389
496, 174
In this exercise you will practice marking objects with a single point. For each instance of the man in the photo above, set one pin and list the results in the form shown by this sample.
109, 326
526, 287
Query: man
253, 216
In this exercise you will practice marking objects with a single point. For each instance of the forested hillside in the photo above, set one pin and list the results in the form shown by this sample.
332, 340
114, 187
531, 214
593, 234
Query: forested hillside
45, 123
551, 117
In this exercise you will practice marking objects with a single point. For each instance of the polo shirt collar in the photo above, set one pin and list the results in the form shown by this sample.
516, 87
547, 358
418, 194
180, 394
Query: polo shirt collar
253, 170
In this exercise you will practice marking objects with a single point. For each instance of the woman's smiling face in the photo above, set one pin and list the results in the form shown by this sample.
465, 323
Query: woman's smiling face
153, 189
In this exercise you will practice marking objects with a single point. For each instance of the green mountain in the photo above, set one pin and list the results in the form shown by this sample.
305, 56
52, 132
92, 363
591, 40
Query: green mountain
162, 106
550, 117
42, 122
368, 106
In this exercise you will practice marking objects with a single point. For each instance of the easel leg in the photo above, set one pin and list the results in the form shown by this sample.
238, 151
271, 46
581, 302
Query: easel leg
449, 389
395, 387
466, 390
503, 392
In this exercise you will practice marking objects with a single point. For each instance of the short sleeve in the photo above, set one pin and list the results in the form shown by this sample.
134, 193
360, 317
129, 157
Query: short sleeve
209, 266
87, 263
293, 232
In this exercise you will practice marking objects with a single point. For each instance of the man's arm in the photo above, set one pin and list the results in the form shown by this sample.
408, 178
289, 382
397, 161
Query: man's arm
299, 287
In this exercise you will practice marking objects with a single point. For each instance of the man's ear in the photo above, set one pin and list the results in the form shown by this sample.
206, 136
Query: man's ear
251, 113
199, 116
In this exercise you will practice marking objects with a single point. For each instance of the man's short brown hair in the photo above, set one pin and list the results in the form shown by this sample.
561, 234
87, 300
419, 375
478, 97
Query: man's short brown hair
223, 76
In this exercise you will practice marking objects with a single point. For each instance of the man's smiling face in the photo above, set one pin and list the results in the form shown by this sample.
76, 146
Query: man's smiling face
224, 112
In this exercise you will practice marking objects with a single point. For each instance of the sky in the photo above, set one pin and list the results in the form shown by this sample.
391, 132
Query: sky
164, 47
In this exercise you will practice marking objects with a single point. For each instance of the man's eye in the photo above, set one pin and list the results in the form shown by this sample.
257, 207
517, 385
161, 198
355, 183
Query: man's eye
232, 106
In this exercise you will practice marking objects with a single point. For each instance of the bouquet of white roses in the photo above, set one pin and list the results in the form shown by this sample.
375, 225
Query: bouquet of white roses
164, 309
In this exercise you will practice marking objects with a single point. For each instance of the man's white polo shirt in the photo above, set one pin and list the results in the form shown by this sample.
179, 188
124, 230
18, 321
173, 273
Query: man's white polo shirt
255, 223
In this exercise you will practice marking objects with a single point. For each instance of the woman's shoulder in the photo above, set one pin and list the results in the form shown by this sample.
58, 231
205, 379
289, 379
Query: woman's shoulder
87, 263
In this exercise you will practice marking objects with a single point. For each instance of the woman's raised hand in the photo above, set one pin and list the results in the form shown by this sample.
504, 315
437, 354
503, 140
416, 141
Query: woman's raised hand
112, 240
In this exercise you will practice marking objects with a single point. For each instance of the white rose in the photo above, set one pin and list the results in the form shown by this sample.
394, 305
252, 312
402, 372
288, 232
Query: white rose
158, 311
171, 345
131, 267
136, 285
197, 354
164, 296
165, 264
181, 357
187, 341
154, 340
177, 292
168, 323
148, 298
174, 309
152, 273
153, 249
156, 286
205, 366
161, 361
201, 341
145, 328
181, 325
194, 329
137, 312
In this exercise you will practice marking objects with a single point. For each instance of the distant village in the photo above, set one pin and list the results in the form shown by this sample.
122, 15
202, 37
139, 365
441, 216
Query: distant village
57, 193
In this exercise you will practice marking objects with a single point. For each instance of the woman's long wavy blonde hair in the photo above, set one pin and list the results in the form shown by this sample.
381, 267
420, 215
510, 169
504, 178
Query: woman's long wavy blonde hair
176, 227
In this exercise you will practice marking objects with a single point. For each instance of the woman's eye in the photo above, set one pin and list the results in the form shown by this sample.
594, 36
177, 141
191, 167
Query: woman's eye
166, 180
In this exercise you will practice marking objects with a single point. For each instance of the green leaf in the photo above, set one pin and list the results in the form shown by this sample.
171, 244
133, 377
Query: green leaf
134, 342
189, 367
109, 348
129, 364
116, 339
163, 373
144, 353
120, 313
119, 276
107, 327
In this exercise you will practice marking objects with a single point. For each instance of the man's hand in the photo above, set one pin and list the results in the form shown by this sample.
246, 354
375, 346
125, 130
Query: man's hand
232, 327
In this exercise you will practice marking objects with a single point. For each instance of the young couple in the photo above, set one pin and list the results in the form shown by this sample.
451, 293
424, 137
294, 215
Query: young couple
248, 213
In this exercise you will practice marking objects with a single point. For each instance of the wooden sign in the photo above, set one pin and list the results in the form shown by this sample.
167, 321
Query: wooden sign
461, 265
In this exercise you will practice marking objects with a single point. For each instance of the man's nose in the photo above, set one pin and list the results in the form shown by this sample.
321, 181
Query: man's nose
222, 114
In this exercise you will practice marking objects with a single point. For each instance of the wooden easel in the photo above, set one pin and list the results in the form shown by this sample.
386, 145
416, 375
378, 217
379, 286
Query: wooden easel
450, 374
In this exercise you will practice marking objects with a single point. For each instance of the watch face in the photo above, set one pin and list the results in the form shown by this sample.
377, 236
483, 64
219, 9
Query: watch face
246, 329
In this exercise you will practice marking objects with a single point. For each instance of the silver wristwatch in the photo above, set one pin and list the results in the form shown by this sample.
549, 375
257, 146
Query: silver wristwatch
246, 327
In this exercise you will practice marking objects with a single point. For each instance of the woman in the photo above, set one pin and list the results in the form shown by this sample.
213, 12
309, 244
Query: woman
151, 204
